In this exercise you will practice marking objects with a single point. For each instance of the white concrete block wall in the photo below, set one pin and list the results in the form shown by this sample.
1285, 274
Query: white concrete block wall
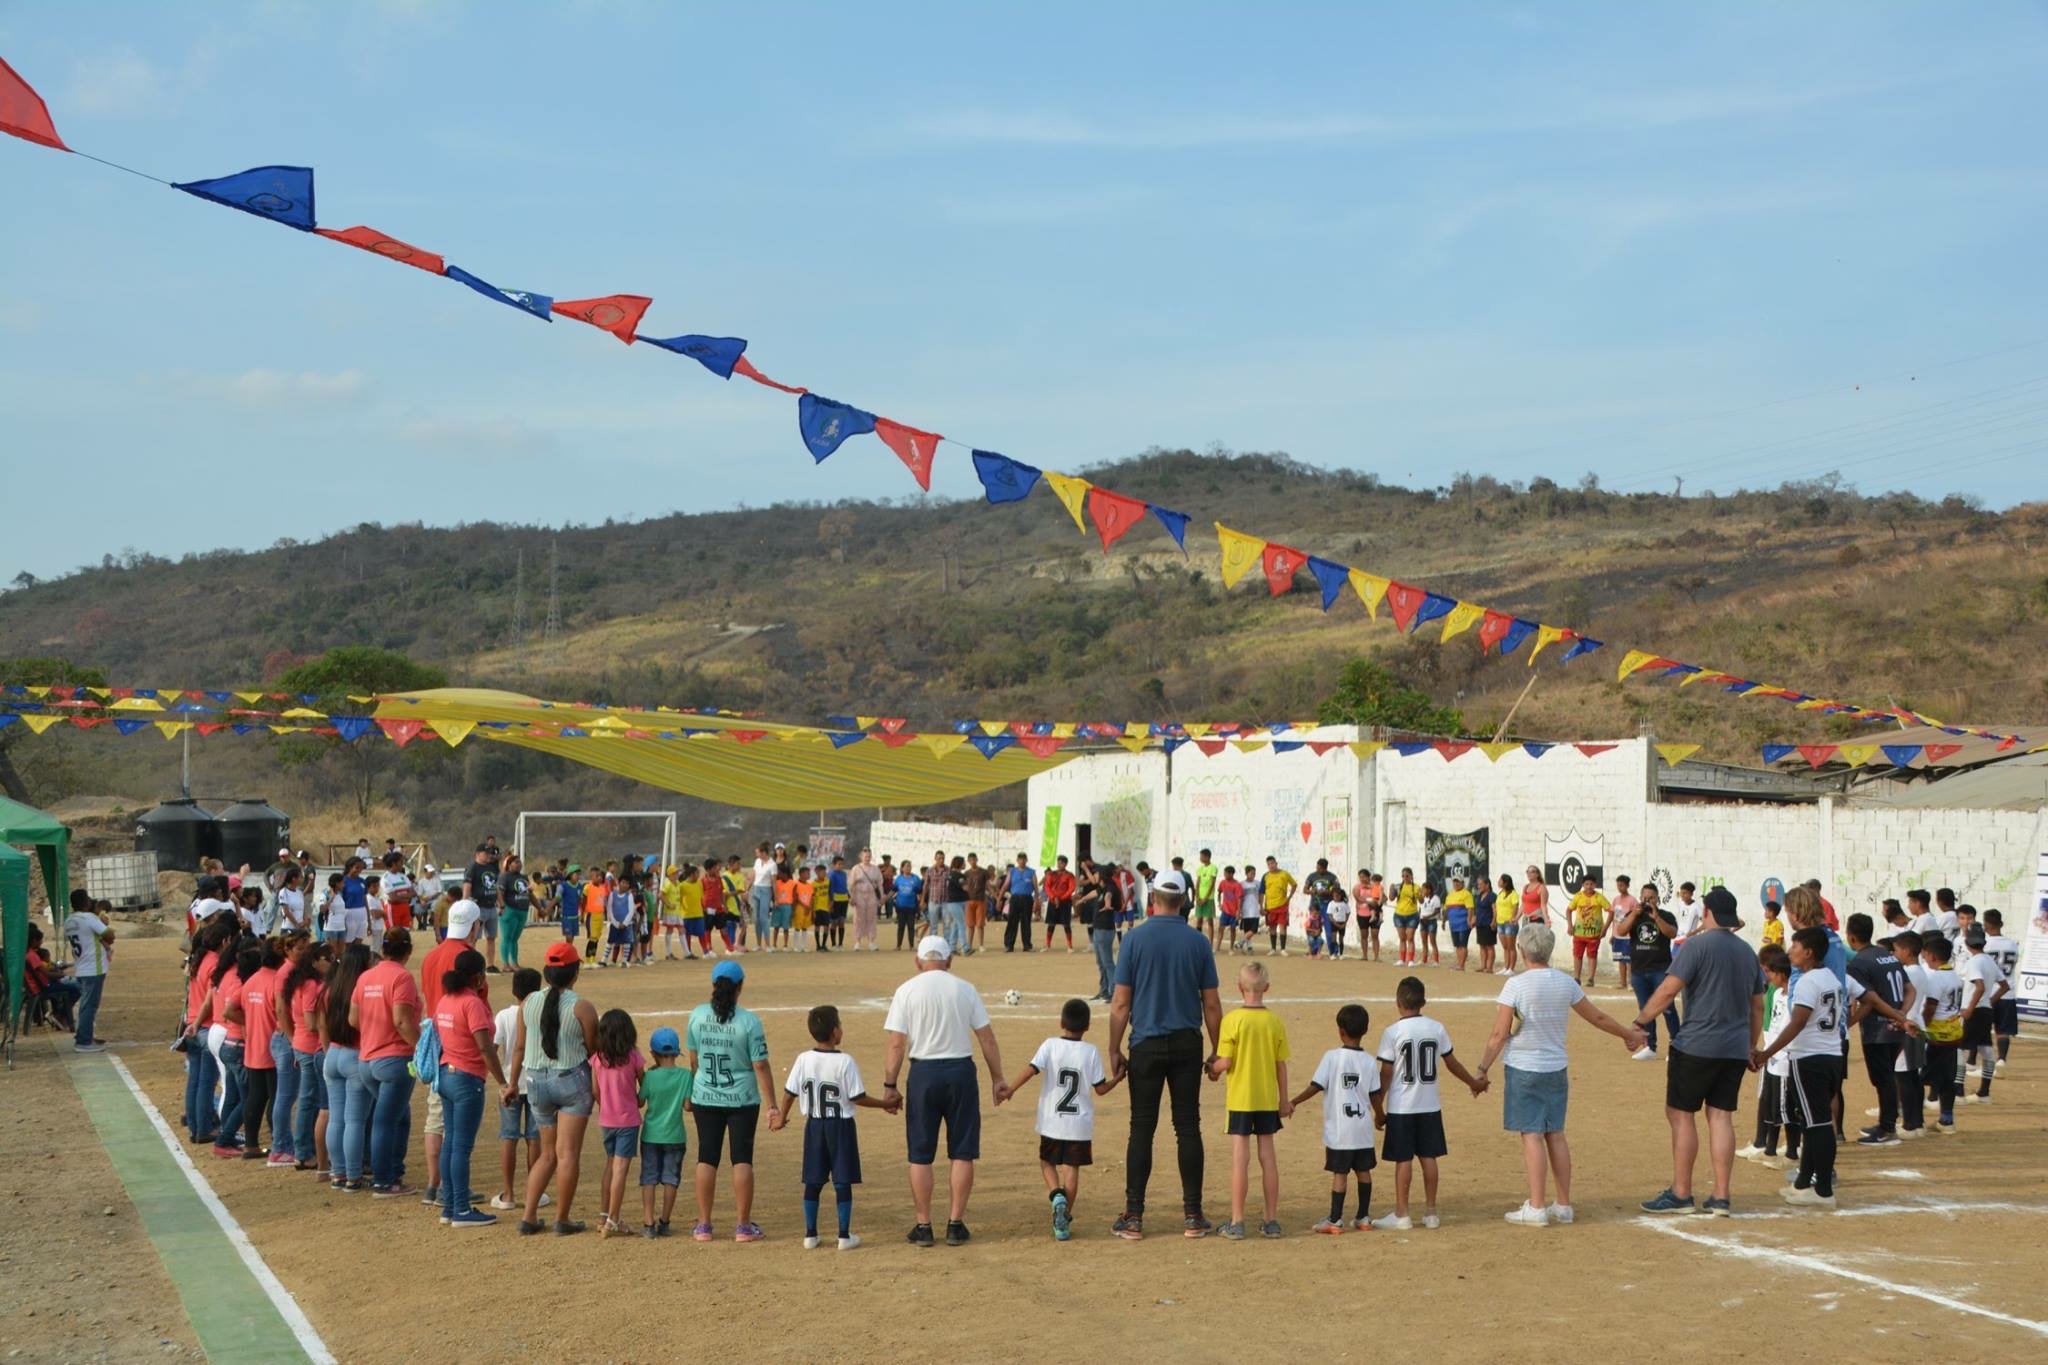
1296, 806
918, 839
1121, 797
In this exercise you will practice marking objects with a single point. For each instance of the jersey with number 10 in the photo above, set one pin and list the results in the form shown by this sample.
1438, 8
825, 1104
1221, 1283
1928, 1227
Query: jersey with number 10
1415, 1047
825, 1084
1069, 1070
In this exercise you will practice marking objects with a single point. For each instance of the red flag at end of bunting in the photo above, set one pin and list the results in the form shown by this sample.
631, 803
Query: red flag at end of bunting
23, 113
1114, 514
369, 239
746, 367
915, 448
618, 314
1281, 563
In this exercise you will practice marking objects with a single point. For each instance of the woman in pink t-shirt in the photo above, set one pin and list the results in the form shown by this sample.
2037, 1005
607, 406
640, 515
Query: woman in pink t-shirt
301, 991
230, 976
259, 1066
463, 1025
385, 1010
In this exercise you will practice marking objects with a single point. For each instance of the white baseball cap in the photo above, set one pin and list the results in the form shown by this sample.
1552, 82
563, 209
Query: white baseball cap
463, 917
1171, 882
934, 948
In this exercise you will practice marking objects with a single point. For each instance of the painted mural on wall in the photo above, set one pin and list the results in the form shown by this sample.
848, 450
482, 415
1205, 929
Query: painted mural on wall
1123, 820
1216, 815
1464, 855
1569, 859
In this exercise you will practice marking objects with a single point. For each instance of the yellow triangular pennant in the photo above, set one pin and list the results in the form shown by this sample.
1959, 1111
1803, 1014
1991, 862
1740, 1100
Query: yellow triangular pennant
1199, 729
865, 722
39, 690
1365, 748
302, 713
1063, 729
1462, 618
941, 744
1689, 679
173, 728
1245, 746
1371, 590
1134, 743
452, 732
1240, 552
1072, 493
802, 734
1856, 755
1675, 754
353, 697
606, 723
1630, 661
1494, 751
136, 704
251, 697
101, 692
993, 727
41, 723
1545, 635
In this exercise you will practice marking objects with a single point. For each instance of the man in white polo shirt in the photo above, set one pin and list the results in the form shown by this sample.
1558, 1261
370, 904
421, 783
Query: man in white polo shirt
935, 1019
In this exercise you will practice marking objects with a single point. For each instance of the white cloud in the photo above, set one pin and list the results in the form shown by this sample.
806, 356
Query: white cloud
263, 388
120, 82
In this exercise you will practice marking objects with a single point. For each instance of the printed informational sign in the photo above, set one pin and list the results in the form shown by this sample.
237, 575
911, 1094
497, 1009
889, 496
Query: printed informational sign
1445, 856
1049, 844
1336, 831
1570, 860
2030, 983
827, 842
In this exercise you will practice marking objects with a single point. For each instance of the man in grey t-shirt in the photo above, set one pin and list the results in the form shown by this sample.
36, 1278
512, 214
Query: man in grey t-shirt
1724, 1021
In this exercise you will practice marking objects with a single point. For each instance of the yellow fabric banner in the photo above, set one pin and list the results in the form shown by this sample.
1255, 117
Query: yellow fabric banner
1245, 746
994, 727
453, 732
1630, 661
1073, 495
1545, 636
1135, 743
1494, 751
1240, 552
40, 723
1675, 754
1371, 590
1856, 755
1462, 618
136, 704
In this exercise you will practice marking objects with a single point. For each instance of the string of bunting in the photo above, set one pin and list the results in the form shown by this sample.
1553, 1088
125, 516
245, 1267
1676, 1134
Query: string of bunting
285, 195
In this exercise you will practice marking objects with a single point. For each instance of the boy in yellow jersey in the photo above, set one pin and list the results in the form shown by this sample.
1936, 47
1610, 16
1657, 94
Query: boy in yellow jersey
1276, 889
595, 892
672, 912
1251, 1049
1407, 916
736, 903
1590, 915
1774, 924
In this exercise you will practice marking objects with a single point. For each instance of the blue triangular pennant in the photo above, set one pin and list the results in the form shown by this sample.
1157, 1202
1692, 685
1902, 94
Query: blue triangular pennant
1330, 577
1739, 686
991, 745
221, 697
283, 194
1900, 755
841, 723
1176, 524
1435, 606
1774, 752
1288, 746
1172, 742
1518, 631
1582, 646
716, 354
352, 728
129, 725
964, 727
540, 305
1535, 750
826, 424
1408, 748
7, 718
243, 727
840, 741
1004, 479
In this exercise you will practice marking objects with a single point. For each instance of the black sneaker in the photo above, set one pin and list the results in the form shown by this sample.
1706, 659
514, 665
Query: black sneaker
1194, 1225
527, 1229
1129, 1226
569, 1227
921, 1235
1878, 1139
956, 1234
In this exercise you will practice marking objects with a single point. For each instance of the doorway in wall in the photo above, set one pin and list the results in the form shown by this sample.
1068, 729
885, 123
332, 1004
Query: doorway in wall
1084, 844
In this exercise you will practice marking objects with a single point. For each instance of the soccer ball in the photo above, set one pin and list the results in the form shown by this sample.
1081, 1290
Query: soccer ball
1013, 997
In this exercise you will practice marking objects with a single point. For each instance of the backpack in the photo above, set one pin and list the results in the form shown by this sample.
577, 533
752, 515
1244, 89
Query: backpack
426, 1054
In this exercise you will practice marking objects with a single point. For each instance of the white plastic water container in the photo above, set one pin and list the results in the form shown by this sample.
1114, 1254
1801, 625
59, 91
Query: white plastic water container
127, 881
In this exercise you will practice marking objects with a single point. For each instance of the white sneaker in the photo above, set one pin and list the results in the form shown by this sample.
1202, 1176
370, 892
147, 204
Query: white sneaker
1430, 1220
1392, 1222
1973, 1099
502, 1204
1868, 1113
2000, 1068
1527, 1216
1807, 1198
1749, 1153
1559, 1213
850, 1240
1911, 1134
1644, 1054
810, 1244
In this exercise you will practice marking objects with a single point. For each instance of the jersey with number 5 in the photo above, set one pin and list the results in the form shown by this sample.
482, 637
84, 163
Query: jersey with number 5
825, 1084
1069, 1070
1415, 1048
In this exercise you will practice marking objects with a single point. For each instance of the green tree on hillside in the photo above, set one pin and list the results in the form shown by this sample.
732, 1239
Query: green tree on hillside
352, 670
1368, 693
36, 672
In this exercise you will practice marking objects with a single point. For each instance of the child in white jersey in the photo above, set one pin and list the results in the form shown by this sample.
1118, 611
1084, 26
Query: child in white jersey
1348, 1078
827, 1084
1411, 1051
1066, 1110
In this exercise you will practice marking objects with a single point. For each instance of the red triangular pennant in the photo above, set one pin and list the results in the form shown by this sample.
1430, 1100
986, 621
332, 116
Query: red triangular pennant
618, 314
23, 113
402, 732
1493, 628
896, 740
1817, 754
892, 724
1404, 601
87, 722
746, 367
1280, 563
369, 239
1212, 747
1114, 514
1319, 747
1592, 750
915, 448
210, 727
1042, 746
746, 736
1452, 748
1937, 752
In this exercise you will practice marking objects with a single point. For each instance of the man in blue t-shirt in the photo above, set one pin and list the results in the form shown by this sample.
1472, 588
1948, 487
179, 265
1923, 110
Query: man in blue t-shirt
1021, 886
1165, 996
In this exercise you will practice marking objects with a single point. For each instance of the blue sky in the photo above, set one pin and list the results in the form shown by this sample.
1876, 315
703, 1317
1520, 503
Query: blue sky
1733, 243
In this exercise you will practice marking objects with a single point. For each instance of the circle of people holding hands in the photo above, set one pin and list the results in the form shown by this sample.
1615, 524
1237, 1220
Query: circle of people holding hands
324, 1035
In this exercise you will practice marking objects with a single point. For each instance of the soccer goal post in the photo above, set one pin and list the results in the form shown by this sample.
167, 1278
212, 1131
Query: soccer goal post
667, 818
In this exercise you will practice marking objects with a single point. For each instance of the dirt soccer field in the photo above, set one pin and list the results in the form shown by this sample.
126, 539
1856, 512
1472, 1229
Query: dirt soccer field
1936, 1253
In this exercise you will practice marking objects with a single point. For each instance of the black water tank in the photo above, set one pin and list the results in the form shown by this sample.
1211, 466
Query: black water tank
180, 833
252, 831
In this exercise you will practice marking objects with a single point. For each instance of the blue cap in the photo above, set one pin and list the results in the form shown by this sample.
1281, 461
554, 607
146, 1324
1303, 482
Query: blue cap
665, 1043
729, 970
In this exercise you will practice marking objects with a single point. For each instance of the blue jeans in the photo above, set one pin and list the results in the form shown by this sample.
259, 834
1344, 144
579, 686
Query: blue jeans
89, 988
1104, 941
462, 1111
389, 1083
956, 925
200, 1077
310, 1067
281, 1139
762, 898
234, 1075
348, 1112
1645, 981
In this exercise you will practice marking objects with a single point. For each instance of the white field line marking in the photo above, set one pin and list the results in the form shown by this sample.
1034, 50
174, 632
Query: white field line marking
280, 1297
1939, 1208
1728, 1246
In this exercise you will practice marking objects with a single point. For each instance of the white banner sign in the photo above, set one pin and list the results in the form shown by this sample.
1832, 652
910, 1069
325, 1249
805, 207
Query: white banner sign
2031, 983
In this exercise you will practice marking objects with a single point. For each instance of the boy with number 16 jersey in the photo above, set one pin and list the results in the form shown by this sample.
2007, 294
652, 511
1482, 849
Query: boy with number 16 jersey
825, 1083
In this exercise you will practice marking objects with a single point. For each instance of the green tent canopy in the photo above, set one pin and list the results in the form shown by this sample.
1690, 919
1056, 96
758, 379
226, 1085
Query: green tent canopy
29, 828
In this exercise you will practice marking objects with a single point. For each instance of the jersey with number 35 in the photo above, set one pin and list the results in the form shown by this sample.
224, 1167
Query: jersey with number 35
825, 1084
1415, 1047
1070, 1070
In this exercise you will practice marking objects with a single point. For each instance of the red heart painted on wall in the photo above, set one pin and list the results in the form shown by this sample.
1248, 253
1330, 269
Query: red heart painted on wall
1306, 828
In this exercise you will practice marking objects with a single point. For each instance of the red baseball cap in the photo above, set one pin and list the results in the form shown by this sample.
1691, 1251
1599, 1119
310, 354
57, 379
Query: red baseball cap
561, 955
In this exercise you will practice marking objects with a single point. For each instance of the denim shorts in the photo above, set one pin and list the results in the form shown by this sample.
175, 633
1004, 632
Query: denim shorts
516, 1121
623, 1142
559, 1092
1535, 1101
661, 1163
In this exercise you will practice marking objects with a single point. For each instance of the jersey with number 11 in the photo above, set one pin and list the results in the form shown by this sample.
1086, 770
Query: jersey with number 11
1415, 1047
